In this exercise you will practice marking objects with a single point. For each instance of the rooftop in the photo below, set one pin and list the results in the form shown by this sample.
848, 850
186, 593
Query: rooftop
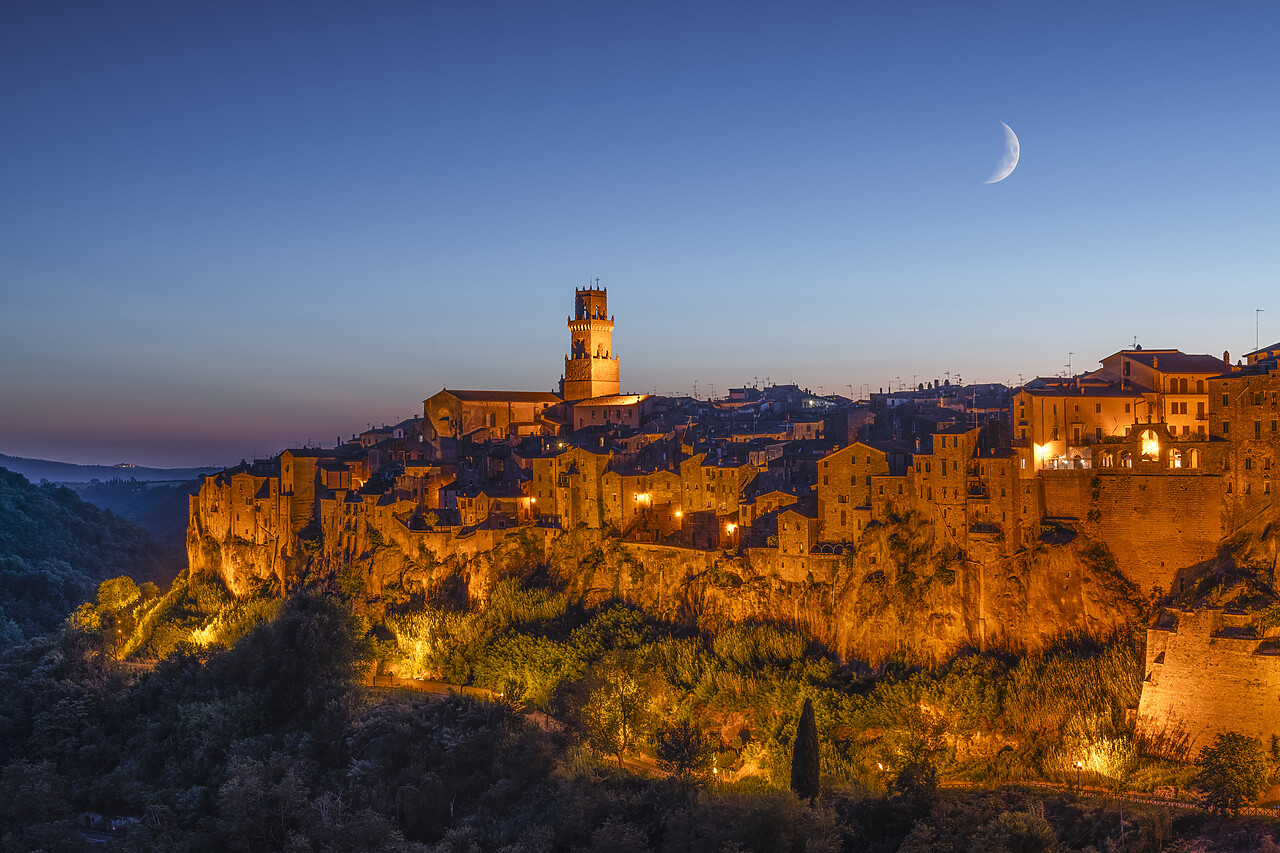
503, 396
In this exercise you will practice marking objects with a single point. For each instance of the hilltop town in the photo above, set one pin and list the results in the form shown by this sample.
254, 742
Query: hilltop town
915, 523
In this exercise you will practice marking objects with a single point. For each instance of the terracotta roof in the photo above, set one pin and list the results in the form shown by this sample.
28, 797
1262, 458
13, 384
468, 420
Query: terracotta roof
1178, 361
1167, 361
1084, 391
613, 400
503, 396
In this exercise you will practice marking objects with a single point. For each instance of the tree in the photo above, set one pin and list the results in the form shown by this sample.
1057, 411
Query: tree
1233, 770
615, 715
805, 761
118, 593
682, 749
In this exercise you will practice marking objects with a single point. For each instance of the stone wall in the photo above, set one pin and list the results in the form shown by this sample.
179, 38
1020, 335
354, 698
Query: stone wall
1157, 525
1206, 674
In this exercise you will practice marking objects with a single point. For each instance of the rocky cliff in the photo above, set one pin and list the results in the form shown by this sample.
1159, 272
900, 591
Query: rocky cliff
897, 593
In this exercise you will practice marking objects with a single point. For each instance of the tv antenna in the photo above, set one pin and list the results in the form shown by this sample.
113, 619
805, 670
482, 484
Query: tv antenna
1257, 342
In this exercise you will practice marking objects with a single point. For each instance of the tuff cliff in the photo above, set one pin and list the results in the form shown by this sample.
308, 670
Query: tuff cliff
900, 592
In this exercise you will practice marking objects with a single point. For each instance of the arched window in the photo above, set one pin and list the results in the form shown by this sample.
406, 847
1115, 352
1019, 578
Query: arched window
843, 519
1182, 386
1126, 460
1150, 446
1106, 460
1193, 458
1175, 458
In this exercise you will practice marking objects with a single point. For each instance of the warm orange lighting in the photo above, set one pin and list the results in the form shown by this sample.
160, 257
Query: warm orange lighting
1150, 445
679, 513
533, 500
731, 527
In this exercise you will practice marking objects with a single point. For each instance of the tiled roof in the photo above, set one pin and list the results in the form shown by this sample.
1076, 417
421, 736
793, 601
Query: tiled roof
1173, 361
503, 396
613, 400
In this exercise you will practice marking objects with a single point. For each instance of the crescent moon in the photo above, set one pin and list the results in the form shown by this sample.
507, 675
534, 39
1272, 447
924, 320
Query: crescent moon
1009, 160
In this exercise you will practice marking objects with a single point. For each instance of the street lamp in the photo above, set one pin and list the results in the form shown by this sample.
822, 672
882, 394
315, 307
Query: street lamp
1079, 767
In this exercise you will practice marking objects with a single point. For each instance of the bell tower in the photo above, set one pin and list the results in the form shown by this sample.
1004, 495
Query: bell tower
590, 368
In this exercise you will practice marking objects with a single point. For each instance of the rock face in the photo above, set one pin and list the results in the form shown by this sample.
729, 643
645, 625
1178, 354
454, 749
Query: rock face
899, 592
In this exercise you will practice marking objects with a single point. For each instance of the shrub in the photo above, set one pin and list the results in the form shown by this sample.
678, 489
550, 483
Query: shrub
1233, 771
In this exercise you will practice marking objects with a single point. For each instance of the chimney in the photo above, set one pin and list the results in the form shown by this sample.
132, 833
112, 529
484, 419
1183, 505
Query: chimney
1226, 357
1155, 362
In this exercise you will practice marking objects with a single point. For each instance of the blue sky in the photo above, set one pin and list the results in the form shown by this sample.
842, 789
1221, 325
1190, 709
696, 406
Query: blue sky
228, 228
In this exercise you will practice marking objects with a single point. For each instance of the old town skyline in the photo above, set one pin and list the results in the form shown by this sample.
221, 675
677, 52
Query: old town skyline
233, 232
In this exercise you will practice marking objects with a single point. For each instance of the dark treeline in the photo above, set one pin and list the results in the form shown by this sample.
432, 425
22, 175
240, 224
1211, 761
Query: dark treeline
54, 551
272, 743
161, 509
254, 732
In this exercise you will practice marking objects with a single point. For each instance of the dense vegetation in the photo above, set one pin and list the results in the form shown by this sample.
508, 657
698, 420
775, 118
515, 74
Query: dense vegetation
54, 551
161, 509
980, 717
197, 721
270, 743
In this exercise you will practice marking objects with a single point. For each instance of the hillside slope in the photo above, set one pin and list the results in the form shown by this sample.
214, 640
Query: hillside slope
54, 551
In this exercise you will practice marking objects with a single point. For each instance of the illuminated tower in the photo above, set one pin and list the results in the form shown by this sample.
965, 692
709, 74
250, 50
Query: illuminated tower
590, 368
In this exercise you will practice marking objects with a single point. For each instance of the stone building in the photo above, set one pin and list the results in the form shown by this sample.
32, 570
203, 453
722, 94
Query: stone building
844, 486
490, 415
626, 411
1244, 414
590, 368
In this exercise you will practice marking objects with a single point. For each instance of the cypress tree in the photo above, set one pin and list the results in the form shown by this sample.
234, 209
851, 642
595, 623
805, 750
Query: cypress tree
804, 756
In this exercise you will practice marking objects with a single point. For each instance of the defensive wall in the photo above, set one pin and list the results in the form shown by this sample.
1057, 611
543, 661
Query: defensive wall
1208, 672
1156, 525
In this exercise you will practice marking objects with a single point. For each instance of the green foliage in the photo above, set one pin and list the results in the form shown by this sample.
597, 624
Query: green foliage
682, 749
1233, 771
757, 647
1016, 832
55, 549
805, 760
1048, 691
118, 593
511, 604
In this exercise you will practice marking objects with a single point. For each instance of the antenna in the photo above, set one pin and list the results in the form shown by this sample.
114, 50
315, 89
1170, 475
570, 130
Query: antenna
1257, 343
1135, 342
1069, 364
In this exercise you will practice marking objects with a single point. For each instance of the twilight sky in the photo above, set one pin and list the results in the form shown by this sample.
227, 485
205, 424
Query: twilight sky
227, 228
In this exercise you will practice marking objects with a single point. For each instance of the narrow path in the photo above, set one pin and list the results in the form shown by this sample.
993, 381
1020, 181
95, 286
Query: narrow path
1092, 792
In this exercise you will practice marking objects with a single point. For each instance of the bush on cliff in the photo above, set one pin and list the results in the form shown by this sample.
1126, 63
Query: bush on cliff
1233, 771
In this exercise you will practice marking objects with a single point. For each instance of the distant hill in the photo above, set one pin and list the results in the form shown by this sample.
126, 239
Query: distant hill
160, 508
36, 470
56, 548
